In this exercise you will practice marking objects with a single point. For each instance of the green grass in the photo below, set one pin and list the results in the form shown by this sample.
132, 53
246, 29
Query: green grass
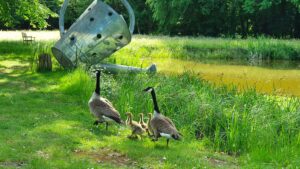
209, 48
45, 121
188, 48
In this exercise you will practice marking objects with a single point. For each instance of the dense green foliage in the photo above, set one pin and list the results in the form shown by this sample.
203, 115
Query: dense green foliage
28, 13
280, 18
144, 21
245, 17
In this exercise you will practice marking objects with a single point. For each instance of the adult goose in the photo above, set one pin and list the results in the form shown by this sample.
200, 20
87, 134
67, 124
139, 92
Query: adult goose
101, 108
161, 126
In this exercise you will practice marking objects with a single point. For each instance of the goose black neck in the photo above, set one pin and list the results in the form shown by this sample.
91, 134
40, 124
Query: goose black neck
97, 90
154, 101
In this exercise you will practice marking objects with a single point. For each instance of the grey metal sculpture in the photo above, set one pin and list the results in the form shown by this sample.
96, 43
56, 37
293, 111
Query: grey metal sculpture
97, 33
121, 68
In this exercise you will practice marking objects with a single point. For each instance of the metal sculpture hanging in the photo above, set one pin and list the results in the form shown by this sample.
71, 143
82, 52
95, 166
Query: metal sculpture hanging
97, 33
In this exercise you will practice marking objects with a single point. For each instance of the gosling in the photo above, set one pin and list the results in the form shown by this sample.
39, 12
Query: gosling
136, 128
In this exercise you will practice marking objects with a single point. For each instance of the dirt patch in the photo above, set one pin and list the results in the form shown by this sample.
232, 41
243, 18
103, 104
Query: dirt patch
107, 155
12, 164
42, 154
216, 161
221, 163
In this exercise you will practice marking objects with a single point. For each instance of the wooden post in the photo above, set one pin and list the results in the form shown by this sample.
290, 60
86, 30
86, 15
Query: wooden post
44, 63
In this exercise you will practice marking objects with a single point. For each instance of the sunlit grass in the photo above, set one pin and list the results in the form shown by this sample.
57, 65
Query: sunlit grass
211, 48
189, 47
53, 123
45, 121
245, 123
39, 35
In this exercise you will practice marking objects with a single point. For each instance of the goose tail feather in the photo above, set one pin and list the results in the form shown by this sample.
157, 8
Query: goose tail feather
176, 136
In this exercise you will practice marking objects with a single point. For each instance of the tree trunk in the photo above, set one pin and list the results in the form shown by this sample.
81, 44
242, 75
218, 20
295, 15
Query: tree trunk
44, 63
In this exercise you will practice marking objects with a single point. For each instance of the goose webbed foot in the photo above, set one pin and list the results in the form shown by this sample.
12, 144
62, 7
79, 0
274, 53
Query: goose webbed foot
142, 136
168, 142
154, 139
132, 137
149, 134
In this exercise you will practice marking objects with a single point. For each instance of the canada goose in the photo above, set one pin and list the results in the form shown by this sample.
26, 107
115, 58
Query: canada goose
101, 107
161, 125
136, 128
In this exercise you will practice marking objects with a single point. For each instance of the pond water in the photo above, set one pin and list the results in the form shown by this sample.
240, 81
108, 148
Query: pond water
276, 77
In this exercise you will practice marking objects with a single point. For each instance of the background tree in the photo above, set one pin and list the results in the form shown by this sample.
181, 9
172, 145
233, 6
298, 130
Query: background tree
277, 18
35, 12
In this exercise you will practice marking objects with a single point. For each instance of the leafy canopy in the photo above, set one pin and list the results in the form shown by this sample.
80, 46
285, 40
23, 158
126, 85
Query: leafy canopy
34, 11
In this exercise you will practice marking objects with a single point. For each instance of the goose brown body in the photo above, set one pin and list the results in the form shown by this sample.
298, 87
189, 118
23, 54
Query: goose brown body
103, 109
163, 126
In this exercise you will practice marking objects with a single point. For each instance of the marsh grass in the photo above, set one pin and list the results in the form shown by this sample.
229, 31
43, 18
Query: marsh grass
263, 127
210, 48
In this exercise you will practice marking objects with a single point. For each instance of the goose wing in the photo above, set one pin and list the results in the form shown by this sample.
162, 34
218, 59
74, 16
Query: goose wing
102, 107
107, 101
169, 120
161, 125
